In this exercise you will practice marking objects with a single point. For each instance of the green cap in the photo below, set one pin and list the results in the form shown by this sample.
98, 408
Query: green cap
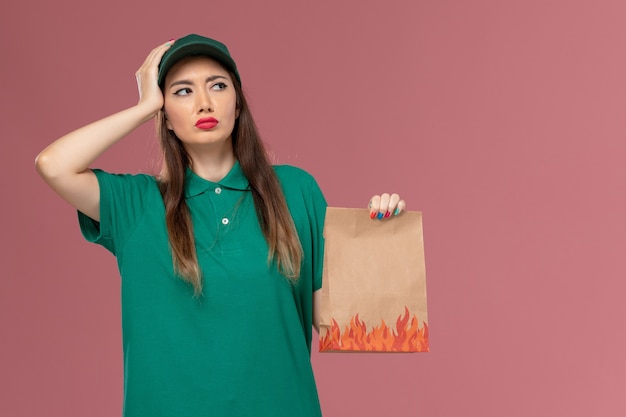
196, 45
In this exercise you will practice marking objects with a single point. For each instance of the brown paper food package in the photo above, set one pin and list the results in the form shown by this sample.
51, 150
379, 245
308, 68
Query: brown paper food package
374, 283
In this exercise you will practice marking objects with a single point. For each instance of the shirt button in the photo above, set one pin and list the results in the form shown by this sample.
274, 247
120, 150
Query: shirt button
224, 220
218, 190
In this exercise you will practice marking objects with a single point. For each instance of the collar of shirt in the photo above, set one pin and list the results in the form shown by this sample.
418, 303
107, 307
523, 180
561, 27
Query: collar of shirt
195, 185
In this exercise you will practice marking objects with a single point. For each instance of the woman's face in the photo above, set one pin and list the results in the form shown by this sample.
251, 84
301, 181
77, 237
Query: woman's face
200, 102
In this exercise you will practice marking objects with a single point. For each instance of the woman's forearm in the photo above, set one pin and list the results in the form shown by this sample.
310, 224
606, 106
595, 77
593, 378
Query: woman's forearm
75, 152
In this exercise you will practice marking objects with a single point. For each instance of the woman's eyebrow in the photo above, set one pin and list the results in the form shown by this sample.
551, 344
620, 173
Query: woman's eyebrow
181, 82
215, 77
187, 82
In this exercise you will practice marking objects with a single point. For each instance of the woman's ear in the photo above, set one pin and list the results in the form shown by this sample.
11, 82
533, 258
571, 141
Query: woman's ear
237, 107
167, 122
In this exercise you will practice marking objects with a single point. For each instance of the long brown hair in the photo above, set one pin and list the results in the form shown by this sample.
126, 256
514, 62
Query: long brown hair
271, 208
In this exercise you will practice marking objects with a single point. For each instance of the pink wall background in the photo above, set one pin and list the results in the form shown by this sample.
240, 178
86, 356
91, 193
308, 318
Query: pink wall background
502, 121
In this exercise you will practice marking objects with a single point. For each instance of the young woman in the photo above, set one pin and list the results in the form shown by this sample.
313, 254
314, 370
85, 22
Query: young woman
220, 255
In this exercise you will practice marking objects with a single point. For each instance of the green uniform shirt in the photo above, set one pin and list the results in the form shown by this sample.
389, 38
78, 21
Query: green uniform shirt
243, 348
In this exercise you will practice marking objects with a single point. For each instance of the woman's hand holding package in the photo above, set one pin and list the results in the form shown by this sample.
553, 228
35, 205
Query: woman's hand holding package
385, 206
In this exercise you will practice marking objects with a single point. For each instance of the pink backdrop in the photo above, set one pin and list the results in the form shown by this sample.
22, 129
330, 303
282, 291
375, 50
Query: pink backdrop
502, 121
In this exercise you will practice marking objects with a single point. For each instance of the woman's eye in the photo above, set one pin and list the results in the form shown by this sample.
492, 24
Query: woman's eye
219, 86
183, 92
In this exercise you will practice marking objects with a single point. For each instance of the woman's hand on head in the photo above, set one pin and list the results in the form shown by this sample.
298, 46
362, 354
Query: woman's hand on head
147, 75
385, 205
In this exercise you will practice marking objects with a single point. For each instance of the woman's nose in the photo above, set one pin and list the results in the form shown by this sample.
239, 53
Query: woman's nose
204, 103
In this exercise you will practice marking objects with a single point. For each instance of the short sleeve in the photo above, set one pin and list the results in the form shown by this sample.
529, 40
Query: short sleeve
316, 207
122, 203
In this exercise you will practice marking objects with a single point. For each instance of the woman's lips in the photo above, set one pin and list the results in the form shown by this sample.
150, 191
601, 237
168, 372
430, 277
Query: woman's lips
206, 123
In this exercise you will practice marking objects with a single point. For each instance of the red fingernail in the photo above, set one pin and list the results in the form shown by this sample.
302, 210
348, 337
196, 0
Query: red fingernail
387, 214
372, 215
